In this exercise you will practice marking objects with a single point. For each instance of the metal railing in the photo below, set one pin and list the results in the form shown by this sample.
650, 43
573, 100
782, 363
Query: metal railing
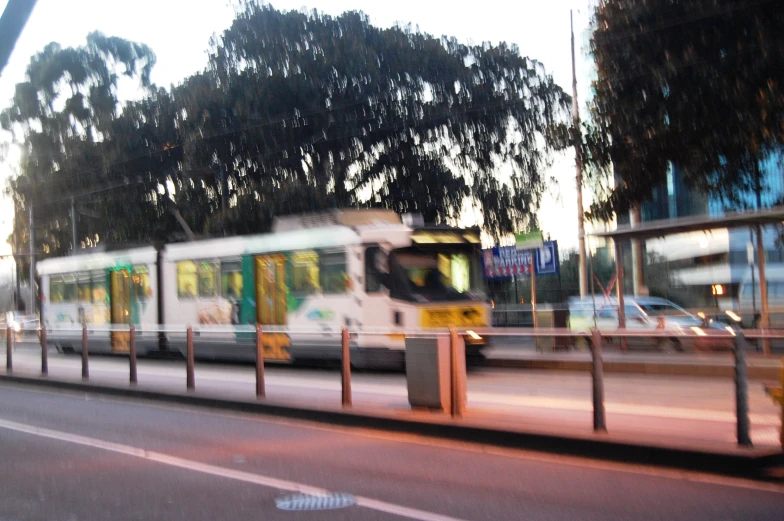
738, 338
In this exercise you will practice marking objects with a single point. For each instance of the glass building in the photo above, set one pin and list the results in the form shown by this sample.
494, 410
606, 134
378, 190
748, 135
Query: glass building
706, 269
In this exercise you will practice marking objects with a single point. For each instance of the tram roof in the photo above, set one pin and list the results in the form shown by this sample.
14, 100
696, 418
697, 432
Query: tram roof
664, 227
97, 260
312, 238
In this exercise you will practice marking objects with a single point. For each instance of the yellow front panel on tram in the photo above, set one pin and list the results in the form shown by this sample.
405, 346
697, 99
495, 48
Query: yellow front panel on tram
462, 315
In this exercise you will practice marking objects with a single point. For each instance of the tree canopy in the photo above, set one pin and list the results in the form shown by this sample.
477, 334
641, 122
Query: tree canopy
295, 112
65, 117
697, 83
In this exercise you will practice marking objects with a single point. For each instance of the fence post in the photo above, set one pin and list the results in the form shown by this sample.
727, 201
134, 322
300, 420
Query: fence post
190, 382
345, 368
741, 391
9, 348
132, 355
777, 395
44, 352
85, 366
260, 391
455, 375
597, 376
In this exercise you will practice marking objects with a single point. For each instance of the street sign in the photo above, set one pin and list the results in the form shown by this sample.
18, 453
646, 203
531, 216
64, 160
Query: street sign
529, 241
507, 261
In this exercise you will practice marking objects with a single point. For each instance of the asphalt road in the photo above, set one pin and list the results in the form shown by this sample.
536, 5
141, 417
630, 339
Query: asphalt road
73, 456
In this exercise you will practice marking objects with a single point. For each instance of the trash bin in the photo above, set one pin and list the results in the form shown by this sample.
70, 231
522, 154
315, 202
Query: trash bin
553, 317
428, 372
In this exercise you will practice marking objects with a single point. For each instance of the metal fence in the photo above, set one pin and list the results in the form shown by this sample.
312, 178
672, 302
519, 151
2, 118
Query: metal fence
738, 339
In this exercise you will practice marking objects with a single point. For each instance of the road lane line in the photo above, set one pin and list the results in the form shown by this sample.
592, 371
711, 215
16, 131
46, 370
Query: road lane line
425, 441
214, 470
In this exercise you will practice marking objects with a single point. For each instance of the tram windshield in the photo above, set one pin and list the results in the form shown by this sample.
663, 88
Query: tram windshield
433, 276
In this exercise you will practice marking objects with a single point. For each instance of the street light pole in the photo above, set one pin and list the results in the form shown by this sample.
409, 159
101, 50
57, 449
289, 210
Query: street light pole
73, 225
31, 309
579, 176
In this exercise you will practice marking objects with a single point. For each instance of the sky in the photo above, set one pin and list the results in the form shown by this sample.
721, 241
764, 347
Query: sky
178, 31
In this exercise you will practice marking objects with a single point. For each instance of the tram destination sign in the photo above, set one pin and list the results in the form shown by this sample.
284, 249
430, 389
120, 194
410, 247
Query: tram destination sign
505, 262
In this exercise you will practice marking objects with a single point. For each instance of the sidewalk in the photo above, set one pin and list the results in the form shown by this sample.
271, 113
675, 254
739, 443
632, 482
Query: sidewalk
720, 364
675, 421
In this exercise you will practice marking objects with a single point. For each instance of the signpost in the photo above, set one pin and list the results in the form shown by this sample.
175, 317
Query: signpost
531, 241
505, 262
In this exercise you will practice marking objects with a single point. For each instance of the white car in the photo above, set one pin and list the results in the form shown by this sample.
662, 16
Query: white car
583, 320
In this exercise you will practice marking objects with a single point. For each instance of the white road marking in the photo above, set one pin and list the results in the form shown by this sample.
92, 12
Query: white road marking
424, 441
214, 470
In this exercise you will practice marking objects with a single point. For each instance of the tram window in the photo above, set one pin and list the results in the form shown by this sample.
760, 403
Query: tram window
374, 276
455, 271
187, 279
83, 287
69, 288
140, 283
231, 280
208, 279
333, 272
445, 269
305, 272
56, 290
460, 275
98, 286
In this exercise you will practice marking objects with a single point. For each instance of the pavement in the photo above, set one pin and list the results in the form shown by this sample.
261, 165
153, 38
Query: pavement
712, 364
668, 420
82, 456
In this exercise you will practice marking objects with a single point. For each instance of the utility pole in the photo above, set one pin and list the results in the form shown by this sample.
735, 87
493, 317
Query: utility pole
638, 260
31, 309
579, 177
73, 225
17, 262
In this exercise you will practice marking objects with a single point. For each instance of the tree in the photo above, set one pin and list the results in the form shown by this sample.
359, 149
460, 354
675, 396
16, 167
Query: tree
64, 118
697, 83
353, 115
302, 112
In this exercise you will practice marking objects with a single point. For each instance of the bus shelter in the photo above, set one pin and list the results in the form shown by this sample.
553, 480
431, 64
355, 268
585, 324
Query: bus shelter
660, 229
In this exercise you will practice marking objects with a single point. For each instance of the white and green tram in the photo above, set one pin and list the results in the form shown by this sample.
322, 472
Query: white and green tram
305, 281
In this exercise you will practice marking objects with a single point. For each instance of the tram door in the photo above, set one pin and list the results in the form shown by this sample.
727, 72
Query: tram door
120, 287
271, 304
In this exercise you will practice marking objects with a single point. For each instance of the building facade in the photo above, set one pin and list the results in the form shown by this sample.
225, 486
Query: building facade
706, 269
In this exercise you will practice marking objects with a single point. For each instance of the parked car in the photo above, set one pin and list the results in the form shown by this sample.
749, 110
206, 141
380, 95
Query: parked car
588, 314
648, 313
663, 309
657, 307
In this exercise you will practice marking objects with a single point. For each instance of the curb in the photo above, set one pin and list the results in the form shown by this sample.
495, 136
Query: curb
738, 463
703, 370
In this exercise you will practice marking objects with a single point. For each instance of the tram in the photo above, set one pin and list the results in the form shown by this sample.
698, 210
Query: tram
373, 271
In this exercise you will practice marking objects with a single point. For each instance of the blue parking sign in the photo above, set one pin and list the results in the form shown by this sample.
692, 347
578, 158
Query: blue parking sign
507, 261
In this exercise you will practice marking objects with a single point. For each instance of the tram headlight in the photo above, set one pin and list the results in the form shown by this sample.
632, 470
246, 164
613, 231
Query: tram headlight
473, 335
